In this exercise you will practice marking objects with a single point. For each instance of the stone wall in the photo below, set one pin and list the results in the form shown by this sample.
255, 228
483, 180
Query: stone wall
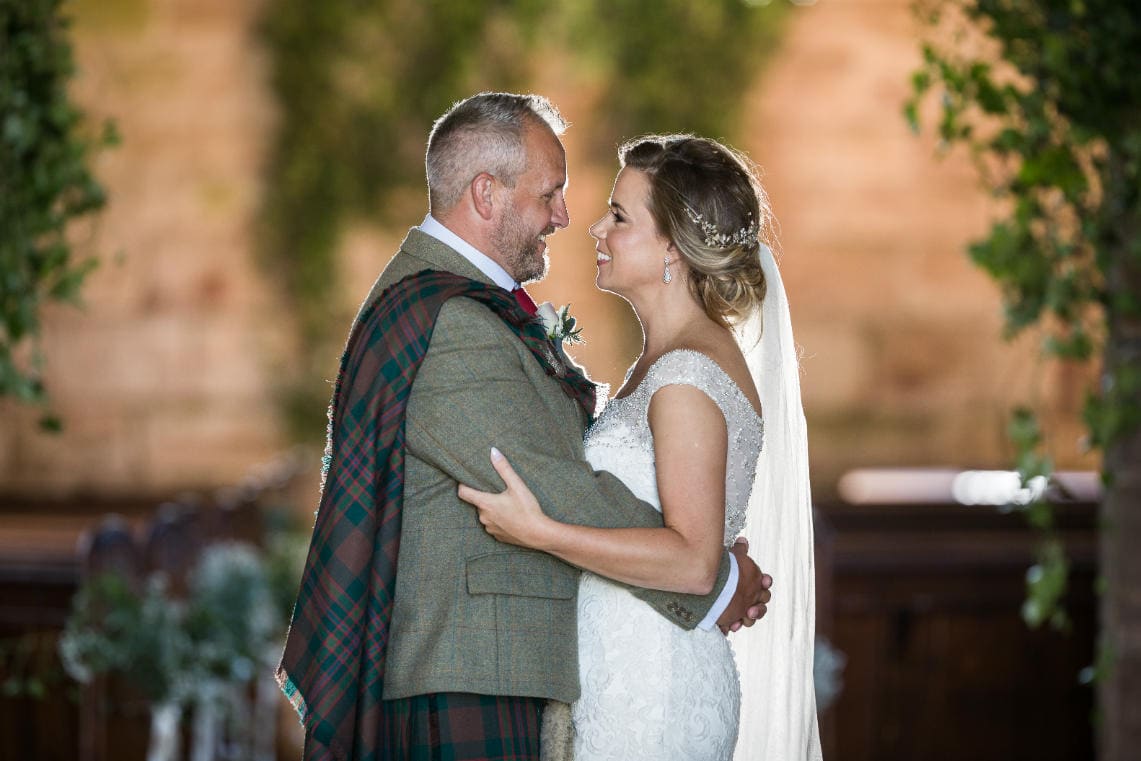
165, 379
903, 361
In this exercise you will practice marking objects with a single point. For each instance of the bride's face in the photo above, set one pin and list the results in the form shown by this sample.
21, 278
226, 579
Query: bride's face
630, 250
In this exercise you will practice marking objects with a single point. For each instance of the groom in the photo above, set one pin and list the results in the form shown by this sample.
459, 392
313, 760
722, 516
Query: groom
415, 633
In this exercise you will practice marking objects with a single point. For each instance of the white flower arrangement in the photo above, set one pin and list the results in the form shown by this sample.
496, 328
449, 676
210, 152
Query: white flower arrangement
194, 658
559, 323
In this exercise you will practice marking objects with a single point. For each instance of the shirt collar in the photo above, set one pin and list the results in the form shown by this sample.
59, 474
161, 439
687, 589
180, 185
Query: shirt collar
481, 261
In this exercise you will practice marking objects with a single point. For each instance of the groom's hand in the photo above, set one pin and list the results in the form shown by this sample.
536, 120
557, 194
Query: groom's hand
752, 595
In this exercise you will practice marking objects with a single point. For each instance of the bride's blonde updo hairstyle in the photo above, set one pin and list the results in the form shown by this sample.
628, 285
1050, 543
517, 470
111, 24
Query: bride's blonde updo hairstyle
705, 198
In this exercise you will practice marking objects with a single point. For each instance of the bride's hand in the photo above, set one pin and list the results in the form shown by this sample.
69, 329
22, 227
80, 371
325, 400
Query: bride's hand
512, 516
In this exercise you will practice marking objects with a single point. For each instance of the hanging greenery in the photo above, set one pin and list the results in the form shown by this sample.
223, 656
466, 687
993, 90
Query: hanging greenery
1046, 96
671, 65
44, 186
360, 83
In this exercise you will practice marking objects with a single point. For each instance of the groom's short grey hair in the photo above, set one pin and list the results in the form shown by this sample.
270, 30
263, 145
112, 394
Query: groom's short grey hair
483, 133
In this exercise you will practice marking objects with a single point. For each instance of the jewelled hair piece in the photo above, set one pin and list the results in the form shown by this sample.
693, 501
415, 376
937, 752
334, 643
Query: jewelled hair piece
716, 239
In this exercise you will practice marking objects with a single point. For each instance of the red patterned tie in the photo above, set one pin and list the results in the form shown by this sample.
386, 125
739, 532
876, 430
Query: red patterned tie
524, 301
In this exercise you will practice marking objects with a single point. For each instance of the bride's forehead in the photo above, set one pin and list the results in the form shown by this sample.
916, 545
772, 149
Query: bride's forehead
630, 186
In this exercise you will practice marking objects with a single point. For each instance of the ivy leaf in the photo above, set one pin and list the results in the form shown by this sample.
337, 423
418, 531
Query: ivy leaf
920, 82
44, 183
51, 423
989, 97
911, 114
1077, 346
66, 288
1055, 167
1046, 586
1024, 430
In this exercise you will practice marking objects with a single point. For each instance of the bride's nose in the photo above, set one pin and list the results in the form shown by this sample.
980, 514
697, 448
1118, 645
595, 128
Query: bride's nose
597, 230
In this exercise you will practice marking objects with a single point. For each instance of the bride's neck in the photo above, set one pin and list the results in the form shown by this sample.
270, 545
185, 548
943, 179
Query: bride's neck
668, 317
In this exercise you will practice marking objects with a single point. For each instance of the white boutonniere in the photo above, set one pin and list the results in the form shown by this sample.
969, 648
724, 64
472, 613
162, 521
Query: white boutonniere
559, 323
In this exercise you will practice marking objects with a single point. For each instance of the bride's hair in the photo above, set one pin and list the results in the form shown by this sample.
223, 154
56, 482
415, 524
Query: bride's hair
706, 199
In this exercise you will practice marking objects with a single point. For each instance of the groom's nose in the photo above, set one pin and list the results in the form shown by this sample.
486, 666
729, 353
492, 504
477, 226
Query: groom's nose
560, 217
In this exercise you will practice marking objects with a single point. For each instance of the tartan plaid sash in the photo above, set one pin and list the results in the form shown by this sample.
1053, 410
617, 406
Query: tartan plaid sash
332, 669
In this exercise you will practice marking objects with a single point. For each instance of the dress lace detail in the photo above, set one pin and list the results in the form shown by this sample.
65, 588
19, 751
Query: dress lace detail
651, 690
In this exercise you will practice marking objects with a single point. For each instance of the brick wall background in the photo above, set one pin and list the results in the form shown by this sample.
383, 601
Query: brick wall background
166, 380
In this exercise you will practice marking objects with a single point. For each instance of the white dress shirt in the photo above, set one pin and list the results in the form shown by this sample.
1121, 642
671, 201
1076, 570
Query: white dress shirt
488, 266
481, 261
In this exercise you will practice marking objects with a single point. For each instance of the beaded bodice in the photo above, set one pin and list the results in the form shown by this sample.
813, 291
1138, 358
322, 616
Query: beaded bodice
621, 442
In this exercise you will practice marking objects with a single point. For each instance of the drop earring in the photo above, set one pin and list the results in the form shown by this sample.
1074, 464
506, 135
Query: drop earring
667, 276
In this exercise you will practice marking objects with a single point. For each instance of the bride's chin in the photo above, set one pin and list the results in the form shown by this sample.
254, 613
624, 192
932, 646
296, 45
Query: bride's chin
601, 285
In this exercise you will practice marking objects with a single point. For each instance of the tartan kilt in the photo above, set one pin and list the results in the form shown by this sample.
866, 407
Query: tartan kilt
458, 726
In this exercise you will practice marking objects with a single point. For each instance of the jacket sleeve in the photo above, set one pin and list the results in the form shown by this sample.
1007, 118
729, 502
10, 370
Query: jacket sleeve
475, 390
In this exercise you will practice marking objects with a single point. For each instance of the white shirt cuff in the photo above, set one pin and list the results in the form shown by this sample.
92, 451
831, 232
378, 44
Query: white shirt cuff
724, 598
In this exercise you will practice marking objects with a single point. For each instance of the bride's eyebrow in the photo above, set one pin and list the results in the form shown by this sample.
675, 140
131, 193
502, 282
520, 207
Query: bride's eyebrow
615, 205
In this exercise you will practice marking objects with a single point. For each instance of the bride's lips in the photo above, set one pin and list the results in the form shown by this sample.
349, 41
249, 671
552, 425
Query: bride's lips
601, 258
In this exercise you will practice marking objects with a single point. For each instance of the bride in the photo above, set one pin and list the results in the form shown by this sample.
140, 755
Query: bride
682, 243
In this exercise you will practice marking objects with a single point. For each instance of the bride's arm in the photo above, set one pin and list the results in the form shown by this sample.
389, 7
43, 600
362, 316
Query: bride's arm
690, 446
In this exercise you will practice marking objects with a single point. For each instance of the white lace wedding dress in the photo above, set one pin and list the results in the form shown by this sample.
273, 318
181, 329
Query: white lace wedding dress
650, 689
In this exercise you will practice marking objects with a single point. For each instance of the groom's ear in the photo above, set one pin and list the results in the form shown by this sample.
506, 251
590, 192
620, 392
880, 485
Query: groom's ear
482, 191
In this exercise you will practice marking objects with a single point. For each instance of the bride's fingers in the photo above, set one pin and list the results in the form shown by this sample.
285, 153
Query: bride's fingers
486, 519
469, 495
505, 471
476, 498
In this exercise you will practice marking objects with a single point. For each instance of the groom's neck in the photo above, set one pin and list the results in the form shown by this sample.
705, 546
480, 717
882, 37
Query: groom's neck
473, 229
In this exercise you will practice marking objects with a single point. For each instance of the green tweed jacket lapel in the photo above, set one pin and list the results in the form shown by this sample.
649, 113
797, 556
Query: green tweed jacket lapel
439, 255
420, 251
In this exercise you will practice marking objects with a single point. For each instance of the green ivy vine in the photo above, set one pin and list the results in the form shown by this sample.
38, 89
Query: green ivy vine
1046, 96
671, 65
360, 83
44, 187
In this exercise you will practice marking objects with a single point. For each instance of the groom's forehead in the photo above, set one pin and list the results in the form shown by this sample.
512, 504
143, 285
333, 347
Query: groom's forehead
546, 158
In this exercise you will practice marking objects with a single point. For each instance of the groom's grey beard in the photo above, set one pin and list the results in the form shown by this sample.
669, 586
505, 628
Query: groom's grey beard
528, 268
526, 261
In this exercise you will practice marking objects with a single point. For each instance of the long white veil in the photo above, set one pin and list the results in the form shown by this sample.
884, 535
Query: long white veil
778, 698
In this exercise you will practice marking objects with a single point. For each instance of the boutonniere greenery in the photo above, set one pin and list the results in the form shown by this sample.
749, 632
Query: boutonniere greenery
559, 323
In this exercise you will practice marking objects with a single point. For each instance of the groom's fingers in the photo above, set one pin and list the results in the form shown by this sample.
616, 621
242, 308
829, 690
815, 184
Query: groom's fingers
759, 608
736, 626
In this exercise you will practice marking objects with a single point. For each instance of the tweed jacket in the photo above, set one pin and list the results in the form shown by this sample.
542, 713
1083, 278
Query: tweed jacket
472, 614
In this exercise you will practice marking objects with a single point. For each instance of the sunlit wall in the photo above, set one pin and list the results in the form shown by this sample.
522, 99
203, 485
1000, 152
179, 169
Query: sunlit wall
172, 375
